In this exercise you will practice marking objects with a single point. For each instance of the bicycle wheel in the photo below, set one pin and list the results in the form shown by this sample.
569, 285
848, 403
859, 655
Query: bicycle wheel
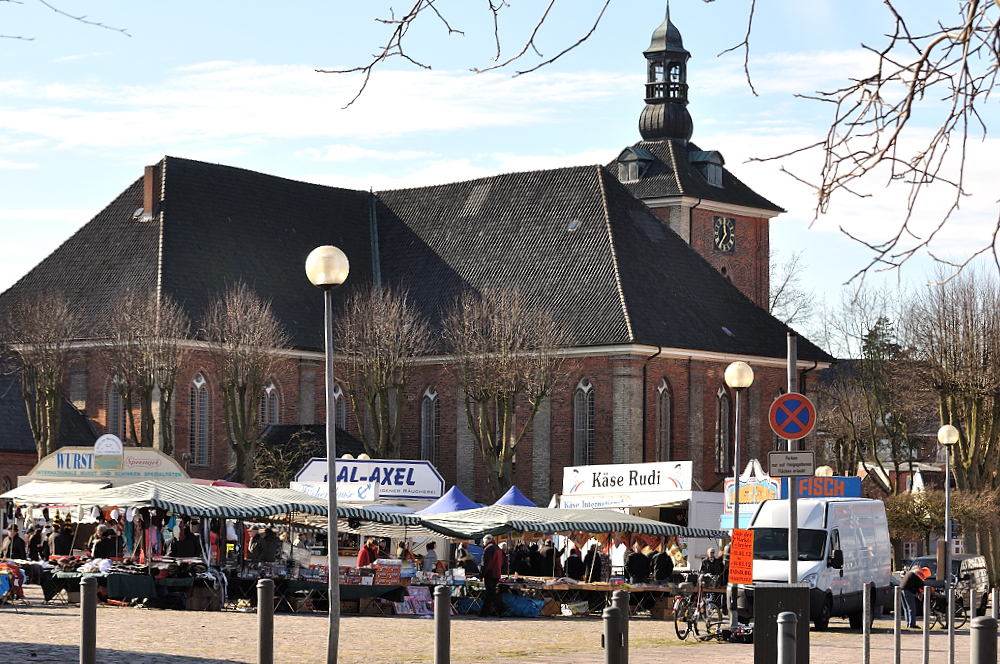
683, 618
961, 616
712, 620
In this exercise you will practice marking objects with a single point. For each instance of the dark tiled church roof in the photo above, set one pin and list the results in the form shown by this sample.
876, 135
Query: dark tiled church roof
574, 240
671, 174
15, 433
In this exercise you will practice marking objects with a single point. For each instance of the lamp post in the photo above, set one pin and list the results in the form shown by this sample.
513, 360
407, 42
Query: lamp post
739, 376
327, 268
948, 436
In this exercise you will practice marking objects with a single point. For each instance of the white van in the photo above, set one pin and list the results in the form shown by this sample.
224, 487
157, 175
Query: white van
843, 544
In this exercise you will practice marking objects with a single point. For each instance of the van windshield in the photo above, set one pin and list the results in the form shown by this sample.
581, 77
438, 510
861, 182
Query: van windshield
772, 544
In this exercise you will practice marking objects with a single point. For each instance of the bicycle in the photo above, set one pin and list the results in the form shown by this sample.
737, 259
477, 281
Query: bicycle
939, 610
698, 612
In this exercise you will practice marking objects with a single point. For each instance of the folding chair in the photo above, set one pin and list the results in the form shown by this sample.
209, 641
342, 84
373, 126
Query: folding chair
11, 587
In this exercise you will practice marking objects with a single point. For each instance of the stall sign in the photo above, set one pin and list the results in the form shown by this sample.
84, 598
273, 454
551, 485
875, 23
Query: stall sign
825, 487
108, 452
83, 463
575, 502
622, 478
741, 557
351, 492
395, 478
756, 486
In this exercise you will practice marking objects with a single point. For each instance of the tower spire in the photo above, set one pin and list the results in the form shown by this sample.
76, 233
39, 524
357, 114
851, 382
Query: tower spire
666, 115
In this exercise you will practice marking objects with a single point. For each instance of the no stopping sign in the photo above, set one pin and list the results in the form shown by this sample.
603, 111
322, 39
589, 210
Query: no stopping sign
792, 416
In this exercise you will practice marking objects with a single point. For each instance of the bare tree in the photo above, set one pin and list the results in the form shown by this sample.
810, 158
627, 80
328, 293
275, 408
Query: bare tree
955, 329
38, 330
246, 341
789, 302
875, 402
505, 356
380, 335
275, 465
144, 351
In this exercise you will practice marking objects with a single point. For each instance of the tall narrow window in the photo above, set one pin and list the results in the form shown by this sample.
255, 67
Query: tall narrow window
341, 408
116, 412
269, 406
6, 486
198, 436
663, 421
583, 424
723, 441
430, 426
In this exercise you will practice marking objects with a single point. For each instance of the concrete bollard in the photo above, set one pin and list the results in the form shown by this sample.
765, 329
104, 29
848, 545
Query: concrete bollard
265, 621
897, 610
612, 636
620, 599
442, 624
983, 644
973, 606
866, 623
787, 622
927, 626
88, 620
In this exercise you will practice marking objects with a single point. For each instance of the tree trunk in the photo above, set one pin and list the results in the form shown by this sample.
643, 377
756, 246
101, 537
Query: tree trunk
167, 421
147, 425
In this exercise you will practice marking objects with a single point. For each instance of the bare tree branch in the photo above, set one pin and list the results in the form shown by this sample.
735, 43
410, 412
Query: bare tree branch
745, 45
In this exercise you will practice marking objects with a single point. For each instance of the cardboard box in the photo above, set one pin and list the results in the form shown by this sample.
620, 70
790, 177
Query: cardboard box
368, 606
348, 606
200, 598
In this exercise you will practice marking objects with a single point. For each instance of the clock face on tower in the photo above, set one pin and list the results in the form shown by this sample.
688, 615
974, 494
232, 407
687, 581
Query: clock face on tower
724, 233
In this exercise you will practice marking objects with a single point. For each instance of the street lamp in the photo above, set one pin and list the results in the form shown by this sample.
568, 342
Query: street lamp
739, 376
948, 436
327, 268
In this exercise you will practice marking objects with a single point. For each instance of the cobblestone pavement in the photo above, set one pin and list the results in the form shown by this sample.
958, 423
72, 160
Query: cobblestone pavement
50, 634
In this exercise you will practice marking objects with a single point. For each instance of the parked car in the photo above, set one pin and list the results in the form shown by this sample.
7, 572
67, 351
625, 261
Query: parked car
969, 572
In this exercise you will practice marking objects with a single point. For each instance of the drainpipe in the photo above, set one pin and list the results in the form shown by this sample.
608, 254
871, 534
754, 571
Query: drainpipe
645, 374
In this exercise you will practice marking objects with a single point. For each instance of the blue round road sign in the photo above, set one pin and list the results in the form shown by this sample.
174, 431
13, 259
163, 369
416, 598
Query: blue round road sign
792, 416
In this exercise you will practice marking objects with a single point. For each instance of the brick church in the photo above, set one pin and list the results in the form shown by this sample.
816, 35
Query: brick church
655, 265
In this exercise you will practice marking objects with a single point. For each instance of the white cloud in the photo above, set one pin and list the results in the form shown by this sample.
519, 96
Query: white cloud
17, 165
356, 153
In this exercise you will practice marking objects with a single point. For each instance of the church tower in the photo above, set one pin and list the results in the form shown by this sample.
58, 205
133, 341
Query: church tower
688, 188
666, 114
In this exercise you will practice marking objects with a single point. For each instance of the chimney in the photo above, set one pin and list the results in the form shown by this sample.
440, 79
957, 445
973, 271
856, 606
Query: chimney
150, 191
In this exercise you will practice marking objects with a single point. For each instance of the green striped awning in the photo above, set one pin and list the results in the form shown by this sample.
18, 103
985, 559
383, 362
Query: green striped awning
496, 519
229, 502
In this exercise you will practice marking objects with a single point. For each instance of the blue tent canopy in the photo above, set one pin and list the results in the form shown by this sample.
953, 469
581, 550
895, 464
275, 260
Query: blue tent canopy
452, 501
514, 497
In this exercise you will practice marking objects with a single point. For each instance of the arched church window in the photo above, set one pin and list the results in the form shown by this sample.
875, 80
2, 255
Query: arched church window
723, 440
269, 406
430, 425
663, 421
116, 411
583, 424
198, 436
340, 407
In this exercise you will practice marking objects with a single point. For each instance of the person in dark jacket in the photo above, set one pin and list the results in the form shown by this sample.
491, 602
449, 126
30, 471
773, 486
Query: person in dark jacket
13, 546
637, 564
62, 544
35, 543
521, 565
592, 565
490, 568
663, 566
574, 566
712, 564
912, 583
537, 560
107, 546
271, 546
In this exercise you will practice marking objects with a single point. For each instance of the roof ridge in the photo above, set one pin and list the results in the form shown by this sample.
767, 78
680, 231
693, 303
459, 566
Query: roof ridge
453, 183
614, 255
673, 165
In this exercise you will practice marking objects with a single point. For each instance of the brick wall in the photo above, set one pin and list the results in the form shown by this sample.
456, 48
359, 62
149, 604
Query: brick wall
13, 464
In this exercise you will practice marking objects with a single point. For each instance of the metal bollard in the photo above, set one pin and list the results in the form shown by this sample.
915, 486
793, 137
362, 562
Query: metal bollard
442, 624
787, 622
927, 628
866, 623
973, 606
897, 609
620, 599
88, 620
612, 636
265, 621
995, 601
983, 644
951, 624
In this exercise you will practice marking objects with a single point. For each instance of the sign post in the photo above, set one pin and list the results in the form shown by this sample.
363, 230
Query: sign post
792, 416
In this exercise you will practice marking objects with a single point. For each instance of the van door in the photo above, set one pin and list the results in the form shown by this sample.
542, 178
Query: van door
836, 576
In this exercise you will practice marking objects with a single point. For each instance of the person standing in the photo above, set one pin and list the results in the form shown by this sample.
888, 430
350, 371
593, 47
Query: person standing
490, 572
912, 583
663, 565
368, 553
13, 546
637, 564
574, 566
712, 564
430, 557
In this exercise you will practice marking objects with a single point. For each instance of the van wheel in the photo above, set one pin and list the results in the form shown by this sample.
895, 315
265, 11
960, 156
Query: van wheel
822, 621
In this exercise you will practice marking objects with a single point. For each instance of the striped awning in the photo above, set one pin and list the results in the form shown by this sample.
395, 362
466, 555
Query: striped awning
228, 502
496, 519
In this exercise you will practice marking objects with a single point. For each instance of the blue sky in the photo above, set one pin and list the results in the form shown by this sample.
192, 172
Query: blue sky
83, 109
